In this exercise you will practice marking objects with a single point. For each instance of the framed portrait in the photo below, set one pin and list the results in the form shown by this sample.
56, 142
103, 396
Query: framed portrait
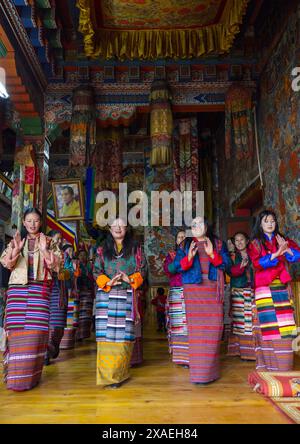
68, 199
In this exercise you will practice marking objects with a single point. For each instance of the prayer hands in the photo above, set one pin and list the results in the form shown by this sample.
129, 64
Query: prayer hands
192, 250
17, 244
124, 277
245, 262
283, 246
208, 247
43, 243
116, 280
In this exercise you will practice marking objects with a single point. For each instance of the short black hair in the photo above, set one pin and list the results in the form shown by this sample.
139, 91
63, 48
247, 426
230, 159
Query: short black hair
160, 291
52, 233
66, 246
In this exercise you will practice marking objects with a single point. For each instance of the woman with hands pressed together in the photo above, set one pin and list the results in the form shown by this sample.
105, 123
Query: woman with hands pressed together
175, 311
119, 270
241, 341
201, 262
274, 325
30, 258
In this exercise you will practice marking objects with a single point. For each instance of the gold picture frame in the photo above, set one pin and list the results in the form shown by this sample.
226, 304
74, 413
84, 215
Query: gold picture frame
68, 199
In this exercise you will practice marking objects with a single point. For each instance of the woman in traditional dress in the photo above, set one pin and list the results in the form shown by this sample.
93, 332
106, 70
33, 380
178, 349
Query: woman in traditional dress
118, 270
58, 304
201, 262
71, 268
274, 325
85, 284
176, 317
241, 342
31, 260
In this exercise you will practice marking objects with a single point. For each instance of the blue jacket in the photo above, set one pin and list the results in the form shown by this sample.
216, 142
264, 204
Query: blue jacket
194, 274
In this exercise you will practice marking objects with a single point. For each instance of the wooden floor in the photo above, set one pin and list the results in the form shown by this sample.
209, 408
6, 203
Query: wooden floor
158, 392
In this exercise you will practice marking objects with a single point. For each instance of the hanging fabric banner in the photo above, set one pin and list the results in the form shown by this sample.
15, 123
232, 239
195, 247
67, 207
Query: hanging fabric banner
25, 183
239, 125
90, 194
107, 158
161, 123
83, 126
185, 155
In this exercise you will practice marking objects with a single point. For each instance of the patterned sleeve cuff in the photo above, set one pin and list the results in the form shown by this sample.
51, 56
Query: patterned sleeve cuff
185, 263
217, 260
265, 261
295, 257
136, 280
102, 282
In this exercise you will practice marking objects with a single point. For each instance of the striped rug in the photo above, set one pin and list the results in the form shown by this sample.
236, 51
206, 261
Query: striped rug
281, 388
290, 407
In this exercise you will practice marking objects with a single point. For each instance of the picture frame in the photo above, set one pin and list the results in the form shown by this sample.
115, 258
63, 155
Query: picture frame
68, 199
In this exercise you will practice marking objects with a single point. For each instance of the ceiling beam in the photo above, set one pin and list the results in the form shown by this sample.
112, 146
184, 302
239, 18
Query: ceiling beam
13, 26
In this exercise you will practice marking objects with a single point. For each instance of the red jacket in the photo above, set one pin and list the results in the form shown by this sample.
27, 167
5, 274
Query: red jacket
160, 301
266, 271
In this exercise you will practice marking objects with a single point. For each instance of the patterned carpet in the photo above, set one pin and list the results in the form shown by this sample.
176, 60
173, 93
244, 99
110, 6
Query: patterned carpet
290, 407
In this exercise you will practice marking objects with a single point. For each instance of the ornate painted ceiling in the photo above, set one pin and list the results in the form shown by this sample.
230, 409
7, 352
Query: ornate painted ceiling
151, 29
141, 14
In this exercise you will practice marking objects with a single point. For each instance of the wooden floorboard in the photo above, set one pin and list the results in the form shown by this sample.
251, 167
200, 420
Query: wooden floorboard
158, 392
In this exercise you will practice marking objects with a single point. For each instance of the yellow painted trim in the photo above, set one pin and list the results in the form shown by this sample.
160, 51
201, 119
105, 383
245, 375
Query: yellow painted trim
159, 43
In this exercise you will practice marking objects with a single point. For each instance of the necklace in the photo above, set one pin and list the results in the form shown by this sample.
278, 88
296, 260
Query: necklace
117, 256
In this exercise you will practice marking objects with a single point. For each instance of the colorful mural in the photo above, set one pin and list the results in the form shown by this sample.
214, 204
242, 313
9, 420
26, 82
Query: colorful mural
142, 14
279, 118
158, 240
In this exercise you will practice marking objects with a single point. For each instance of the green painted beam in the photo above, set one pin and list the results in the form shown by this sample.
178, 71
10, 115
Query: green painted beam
43, 4
48, 18
3, 50
32, 126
